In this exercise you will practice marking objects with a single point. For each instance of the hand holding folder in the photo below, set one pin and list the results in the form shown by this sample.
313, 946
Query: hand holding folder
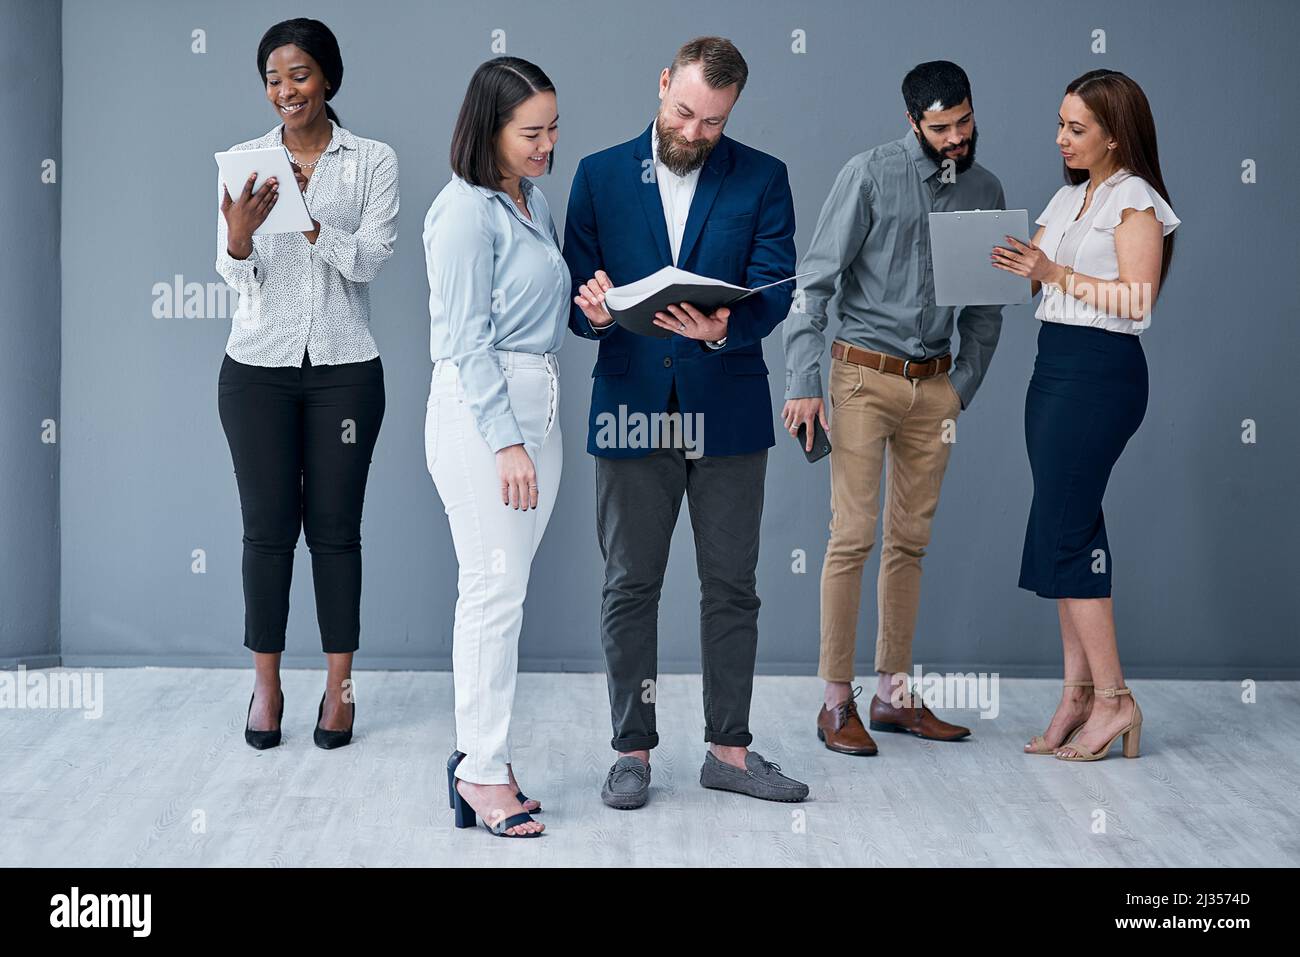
634, 305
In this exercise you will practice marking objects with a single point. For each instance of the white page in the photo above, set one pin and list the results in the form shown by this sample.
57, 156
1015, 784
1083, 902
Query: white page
625, 297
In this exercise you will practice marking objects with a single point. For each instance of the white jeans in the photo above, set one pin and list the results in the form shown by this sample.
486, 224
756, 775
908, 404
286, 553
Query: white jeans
494, 543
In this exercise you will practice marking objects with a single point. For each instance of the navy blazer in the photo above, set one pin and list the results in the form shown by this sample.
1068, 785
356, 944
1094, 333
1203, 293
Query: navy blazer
740, 229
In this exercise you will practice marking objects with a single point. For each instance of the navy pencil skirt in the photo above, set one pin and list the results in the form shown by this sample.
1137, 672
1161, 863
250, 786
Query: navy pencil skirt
1086, 398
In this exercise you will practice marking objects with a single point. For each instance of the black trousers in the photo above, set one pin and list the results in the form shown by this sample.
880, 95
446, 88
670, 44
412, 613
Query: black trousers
301, 440
637, 504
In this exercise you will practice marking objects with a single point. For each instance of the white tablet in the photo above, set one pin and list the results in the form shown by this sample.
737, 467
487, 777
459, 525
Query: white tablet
960, 246
289, 214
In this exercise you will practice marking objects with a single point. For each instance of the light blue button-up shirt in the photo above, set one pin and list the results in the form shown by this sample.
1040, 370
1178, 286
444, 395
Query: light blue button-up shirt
497, 283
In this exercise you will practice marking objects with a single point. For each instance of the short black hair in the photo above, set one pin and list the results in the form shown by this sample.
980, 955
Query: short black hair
314, 39
495, 90
934, 86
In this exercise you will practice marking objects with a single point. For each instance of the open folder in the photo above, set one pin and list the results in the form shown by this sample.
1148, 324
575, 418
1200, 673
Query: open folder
634, 306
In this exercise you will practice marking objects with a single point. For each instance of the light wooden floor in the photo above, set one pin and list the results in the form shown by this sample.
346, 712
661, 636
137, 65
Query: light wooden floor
164, 778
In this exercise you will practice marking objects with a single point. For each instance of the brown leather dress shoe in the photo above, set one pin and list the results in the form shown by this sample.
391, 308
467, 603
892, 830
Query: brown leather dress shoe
841, 729
918, 721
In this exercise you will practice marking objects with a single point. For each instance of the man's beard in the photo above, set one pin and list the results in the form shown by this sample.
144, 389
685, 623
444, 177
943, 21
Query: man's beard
963, 162
679, 154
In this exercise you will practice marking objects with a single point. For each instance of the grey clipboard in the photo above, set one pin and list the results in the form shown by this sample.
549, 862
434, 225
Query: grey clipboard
960, 244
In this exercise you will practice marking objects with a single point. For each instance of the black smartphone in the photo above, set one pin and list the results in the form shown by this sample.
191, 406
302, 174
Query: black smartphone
821, 441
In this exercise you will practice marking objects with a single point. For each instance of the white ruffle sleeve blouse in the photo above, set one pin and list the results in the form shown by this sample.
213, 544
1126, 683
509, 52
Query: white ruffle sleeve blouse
1088, 244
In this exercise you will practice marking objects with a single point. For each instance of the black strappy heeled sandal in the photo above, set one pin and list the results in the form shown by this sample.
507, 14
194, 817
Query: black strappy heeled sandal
465, 816
520, 796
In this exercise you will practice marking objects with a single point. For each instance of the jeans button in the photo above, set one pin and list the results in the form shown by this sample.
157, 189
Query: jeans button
668, 362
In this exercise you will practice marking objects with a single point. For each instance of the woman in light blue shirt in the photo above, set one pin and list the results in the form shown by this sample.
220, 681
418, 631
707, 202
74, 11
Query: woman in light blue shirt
498, 306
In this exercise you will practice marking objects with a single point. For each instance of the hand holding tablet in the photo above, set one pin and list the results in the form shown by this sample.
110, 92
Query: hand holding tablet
247, 173
247, 214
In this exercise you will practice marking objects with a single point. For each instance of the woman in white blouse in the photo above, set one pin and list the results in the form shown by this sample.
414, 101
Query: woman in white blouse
1100, 255
301, 389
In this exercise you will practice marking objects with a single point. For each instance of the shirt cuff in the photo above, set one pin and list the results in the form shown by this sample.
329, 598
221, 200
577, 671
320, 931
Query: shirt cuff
241, 273
501, 432
328, 246
807, 385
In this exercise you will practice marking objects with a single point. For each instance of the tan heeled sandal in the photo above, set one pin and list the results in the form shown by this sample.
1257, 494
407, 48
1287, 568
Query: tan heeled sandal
1040, 743
1132, 734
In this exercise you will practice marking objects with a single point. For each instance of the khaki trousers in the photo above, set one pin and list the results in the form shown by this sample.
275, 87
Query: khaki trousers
907, 425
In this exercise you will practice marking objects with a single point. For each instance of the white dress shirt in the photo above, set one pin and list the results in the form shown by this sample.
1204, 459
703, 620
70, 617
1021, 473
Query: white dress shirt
675, 195
1088, 245
295, 295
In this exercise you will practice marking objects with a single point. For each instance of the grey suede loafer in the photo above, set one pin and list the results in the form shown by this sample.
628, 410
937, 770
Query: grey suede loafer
627, 785
760, 779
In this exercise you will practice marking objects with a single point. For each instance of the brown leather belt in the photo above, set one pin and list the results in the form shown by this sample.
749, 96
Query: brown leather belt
907, 368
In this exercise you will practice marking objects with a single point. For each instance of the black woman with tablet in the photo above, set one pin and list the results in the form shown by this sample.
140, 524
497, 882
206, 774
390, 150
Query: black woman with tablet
301, 388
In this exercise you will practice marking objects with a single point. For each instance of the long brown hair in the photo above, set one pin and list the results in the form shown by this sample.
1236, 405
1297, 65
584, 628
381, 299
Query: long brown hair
1124, 113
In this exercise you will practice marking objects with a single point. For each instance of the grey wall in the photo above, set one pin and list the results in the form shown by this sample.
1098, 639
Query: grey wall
30, 94
1203, 526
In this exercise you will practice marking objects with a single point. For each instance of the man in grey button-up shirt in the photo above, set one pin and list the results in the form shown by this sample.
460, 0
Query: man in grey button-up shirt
872, 247
873, 242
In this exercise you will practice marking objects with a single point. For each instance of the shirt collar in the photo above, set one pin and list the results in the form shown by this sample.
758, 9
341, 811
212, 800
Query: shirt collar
339, 138
925, 166
525, 187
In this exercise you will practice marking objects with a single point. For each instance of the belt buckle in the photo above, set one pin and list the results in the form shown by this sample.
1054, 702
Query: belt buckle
906, 363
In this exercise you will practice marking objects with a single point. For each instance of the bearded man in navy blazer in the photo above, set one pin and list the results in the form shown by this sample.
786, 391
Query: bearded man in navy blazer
685, 415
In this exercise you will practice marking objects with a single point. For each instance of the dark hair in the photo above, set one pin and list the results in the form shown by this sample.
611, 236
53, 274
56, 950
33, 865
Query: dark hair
495, 90
719, 59
317, 41
936, 85
1124, 113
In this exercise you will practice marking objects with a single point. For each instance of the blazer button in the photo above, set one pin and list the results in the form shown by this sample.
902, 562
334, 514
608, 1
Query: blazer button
668, 362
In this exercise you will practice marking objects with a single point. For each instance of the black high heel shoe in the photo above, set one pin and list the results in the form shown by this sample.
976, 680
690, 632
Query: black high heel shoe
329, 740
262, 739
